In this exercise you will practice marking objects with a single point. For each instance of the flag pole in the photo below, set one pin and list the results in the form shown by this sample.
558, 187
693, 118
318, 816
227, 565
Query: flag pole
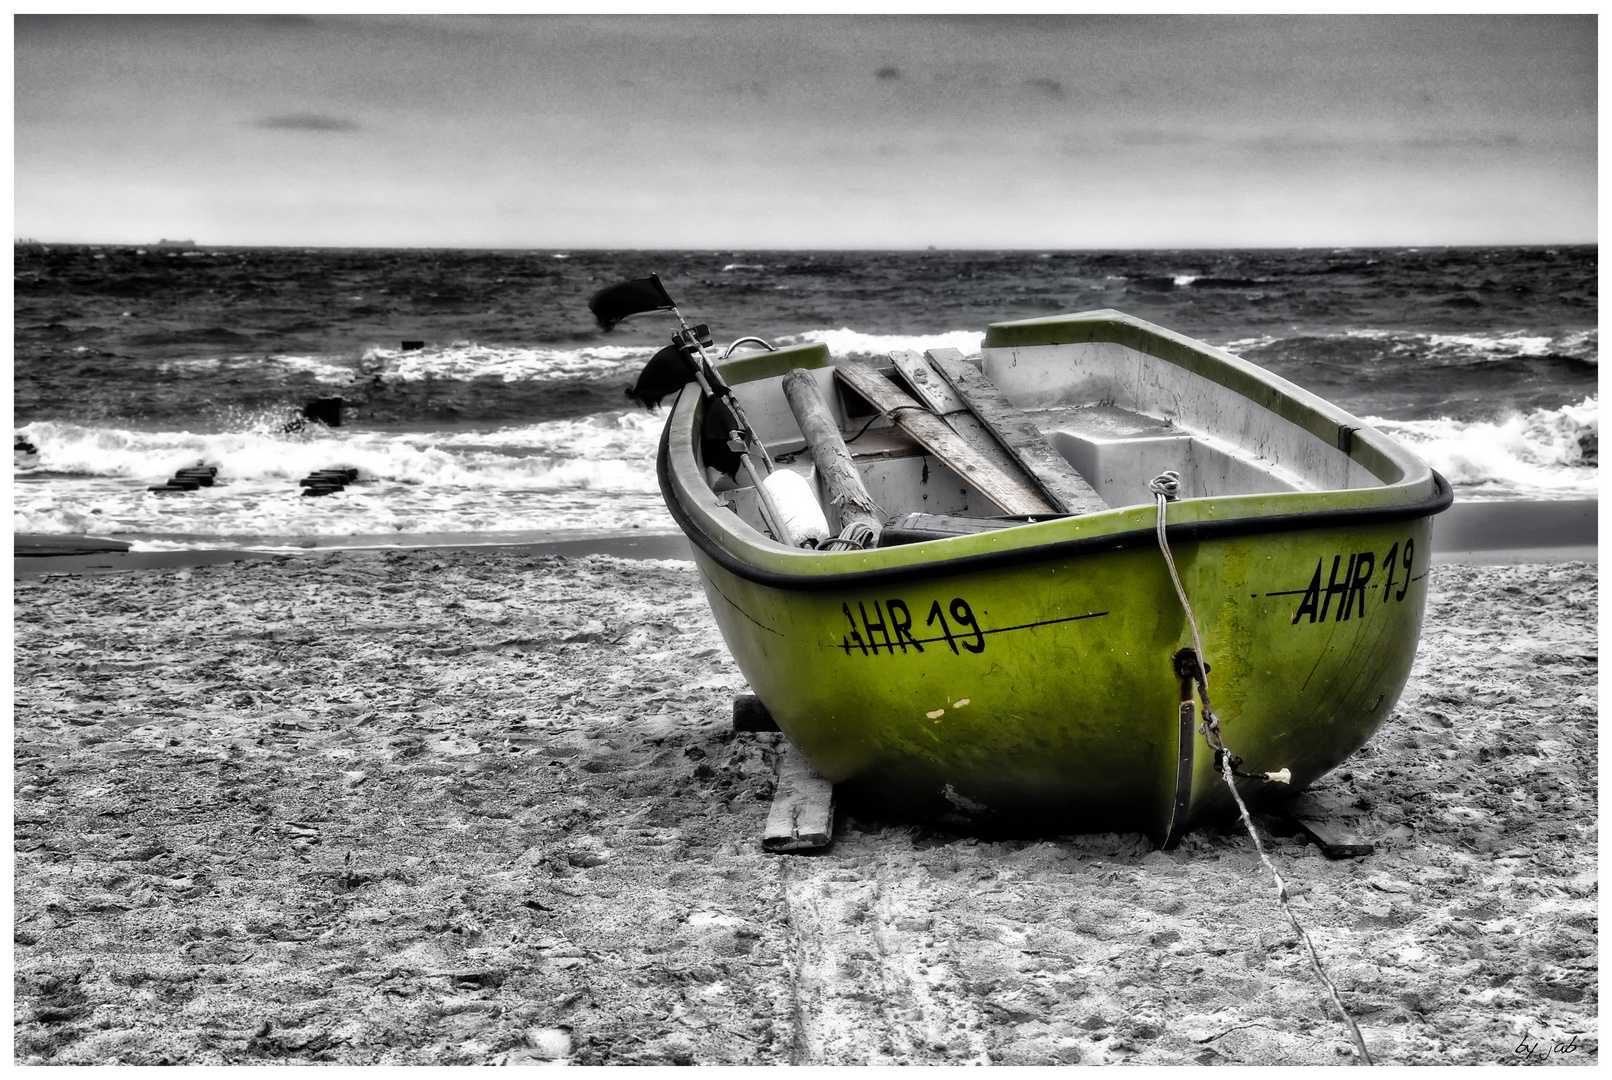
713, 387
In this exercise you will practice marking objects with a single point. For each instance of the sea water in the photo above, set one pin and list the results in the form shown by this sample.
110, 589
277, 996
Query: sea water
505, 416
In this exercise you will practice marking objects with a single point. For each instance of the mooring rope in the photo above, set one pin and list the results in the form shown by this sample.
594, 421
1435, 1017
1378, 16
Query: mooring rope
1166, 487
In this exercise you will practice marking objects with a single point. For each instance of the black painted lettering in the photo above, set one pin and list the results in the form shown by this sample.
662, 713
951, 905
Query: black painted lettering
1335, 587
875, 627
936, 613
856, 634
1312, 596
901, 623
1364, 564
1410, 555
963, 615
1390, 564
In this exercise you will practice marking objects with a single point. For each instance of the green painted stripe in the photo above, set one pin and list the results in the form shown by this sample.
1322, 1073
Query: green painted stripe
799, 570
755, 366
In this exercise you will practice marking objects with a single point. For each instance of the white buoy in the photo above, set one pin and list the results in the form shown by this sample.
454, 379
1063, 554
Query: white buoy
792, 495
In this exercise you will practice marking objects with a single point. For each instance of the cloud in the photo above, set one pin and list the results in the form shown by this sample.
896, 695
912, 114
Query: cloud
306, 122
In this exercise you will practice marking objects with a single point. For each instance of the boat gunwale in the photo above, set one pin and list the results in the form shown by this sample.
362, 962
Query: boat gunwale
1417, 492
1373, 450
976, 562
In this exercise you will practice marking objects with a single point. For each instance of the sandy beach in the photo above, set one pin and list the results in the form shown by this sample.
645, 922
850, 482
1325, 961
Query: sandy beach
459, 807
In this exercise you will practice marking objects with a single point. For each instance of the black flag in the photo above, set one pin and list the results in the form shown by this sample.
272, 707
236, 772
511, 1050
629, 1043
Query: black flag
664, 375
615, 303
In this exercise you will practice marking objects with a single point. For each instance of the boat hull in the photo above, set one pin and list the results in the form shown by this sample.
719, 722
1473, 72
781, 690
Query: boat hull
1028, 671
1045, 689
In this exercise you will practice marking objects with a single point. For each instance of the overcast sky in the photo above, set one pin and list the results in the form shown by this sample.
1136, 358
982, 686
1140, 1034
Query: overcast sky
831, 132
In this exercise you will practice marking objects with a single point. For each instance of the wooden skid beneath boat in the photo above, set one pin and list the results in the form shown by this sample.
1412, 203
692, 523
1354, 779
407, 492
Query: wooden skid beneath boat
802, 815
1013, 495
1312, 817
1064, 487
749, 714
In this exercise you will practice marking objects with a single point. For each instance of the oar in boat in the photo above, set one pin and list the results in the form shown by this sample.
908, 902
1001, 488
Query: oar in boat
660, 377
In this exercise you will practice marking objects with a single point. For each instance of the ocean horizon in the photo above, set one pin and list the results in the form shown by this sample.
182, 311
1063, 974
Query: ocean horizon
481, 400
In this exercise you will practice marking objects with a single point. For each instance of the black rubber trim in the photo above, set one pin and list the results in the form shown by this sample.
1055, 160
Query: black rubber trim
1185, 532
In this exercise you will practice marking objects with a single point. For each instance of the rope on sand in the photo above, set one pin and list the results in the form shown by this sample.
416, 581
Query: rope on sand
1166, 487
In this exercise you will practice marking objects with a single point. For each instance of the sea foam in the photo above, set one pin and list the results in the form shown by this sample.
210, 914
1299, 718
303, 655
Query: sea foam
848, 342
1543, 454
595, 473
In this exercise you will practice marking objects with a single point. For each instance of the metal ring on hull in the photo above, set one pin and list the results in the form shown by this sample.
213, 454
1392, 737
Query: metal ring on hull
1185, 532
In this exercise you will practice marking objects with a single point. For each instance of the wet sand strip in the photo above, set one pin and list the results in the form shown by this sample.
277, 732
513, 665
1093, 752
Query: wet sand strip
652, 546
1474, 532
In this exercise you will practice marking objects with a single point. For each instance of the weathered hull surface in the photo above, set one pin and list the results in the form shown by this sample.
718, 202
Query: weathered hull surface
1047, 689
1028, 671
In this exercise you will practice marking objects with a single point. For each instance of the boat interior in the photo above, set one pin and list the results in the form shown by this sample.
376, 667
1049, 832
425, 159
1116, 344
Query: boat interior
1114, 417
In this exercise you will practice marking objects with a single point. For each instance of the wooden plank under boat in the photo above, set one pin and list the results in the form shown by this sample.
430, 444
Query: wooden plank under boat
1027, 669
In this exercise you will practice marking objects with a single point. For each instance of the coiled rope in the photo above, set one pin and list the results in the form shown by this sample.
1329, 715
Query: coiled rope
854, 537
1166, 487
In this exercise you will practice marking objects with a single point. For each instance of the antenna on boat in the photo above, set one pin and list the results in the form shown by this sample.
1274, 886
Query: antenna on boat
617, 302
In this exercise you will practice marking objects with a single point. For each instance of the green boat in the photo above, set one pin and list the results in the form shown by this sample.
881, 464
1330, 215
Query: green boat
991, 624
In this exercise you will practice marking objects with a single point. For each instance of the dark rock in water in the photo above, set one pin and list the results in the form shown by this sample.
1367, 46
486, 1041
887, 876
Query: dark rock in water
328, 479
413, 346
1589, 447
325, 410
23, 446
195, 477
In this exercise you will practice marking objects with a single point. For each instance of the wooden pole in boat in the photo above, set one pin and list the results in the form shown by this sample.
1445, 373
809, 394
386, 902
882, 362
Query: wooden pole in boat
842, 482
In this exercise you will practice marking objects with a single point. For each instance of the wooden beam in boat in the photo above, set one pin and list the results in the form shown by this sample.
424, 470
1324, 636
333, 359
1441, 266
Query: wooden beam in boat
927, 385
1012, 494
1058, 480
934, 391
848, 498
802, 814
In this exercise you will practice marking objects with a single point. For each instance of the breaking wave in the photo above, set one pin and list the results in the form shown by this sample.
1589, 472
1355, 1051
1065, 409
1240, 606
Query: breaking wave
594, 473
1546, 453
847, 342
